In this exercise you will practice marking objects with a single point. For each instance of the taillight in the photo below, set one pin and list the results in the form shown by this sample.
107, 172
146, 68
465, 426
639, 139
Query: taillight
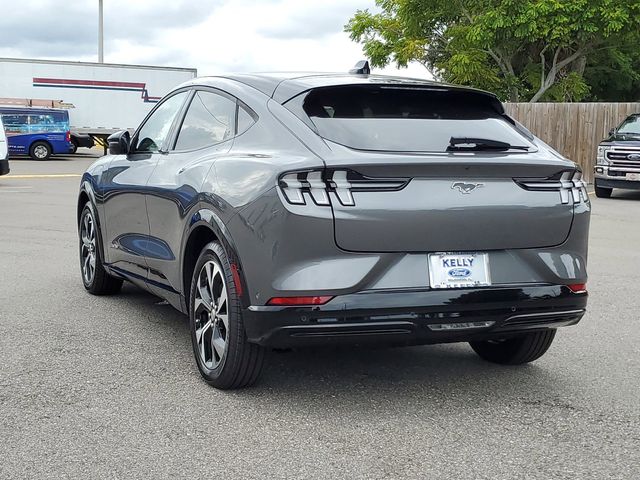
299, 301
320, 185
572, 188
578, 287
68, 136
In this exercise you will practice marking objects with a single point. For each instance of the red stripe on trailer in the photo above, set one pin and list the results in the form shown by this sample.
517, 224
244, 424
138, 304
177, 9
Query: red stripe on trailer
93, 83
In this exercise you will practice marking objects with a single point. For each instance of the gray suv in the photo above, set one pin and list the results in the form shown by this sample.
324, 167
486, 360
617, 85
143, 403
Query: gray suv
283, 210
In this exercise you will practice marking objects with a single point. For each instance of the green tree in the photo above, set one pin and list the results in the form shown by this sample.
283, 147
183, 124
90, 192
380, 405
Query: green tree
613, 75
524, 50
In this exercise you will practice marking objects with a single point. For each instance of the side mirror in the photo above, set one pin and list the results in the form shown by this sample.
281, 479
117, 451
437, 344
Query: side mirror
612, 131
119, 143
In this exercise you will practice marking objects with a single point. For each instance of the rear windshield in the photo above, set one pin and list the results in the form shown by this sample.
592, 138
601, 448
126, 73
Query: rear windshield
402, 119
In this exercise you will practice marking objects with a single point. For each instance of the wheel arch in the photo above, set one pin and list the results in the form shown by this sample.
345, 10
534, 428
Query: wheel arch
205, 227
41, 140
83, 198
85, 195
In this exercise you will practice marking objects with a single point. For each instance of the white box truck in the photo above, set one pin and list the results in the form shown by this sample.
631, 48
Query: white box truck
101, 98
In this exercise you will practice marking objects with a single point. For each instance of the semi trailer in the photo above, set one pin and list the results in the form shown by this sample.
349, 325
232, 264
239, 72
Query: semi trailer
101, 98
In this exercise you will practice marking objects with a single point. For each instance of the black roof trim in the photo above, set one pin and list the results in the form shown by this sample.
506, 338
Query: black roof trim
283, 86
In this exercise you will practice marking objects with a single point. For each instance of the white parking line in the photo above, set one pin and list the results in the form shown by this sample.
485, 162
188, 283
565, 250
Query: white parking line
52, 175
15, 189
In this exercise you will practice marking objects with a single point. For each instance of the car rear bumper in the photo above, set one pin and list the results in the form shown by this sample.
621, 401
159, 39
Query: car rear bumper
4, 166
84, 141
413, 317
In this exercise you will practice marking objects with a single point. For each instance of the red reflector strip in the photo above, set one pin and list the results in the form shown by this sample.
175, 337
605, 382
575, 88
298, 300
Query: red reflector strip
236, 279
290, 301
578, 287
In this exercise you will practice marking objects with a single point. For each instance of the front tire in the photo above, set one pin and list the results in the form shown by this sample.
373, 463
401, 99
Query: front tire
524, 348
95, 278
225, 358
40, 151
602, 192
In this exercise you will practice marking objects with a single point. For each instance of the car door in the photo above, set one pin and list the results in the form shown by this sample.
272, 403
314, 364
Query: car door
175, 187
124, 184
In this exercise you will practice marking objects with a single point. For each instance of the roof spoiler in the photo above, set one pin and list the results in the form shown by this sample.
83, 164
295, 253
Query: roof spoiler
361, 68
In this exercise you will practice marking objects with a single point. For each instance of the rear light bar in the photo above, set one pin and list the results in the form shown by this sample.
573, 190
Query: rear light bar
299, 301
320, 185
578, 287
572, 188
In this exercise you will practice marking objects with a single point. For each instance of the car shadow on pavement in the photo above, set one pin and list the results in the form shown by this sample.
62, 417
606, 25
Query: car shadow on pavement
625, 195
53, 159
359, 373
57, 158
388, 369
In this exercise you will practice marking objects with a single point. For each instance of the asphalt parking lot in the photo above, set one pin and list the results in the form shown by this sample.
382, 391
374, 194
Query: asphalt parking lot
106, 387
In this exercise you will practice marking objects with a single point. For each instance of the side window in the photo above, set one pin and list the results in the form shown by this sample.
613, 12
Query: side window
155, 130
15, 123
209, 120
245, 119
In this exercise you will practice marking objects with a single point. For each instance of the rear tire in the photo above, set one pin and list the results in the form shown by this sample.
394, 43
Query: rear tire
95, 278
225, 358
602, 192
40, 151
524, 348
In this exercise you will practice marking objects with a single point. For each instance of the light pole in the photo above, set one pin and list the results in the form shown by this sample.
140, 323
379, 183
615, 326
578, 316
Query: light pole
100, 33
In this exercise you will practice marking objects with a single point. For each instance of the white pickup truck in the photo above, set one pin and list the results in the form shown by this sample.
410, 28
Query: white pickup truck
618, 159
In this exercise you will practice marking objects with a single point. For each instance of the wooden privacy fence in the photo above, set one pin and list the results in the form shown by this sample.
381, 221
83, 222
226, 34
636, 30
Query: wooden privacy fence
574, 129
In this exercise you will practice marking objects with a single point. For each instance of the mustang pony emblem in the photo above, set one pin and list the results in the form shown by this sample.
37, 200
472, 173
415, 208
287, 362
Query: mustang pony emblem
466, 188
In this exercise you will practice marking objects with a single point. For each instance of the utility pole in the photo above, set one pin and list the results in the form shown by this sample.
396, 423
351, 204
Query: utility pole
100, 33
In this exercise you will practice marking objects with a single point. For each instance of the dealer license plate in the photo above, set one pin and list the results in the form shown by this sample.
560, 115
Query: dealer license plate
459, 270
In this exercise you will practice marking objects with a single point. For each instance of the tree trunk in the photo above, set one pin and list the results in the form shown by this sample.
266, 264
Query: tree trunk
504, 64
549, 79
514, 94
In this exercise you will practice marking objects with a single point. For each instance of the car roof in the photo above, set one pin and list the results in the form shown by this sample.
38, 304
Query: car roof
282, 86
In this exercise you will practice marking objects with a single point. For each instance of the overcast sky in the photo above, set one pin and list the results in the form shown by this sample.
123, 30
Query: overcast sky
214, 36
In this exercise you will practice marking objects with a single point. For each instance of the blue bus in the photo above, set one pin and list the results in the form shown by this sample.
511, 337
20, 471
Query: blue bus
38, 132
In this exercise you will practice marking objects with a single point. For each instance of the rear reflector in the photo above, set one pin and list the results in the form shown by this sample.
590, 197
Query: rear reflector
291, 301
578, 287
236, 279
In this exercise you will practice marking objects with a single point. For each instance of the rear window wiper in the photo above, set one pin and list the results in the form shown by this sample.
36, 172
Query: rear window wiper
462, 144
